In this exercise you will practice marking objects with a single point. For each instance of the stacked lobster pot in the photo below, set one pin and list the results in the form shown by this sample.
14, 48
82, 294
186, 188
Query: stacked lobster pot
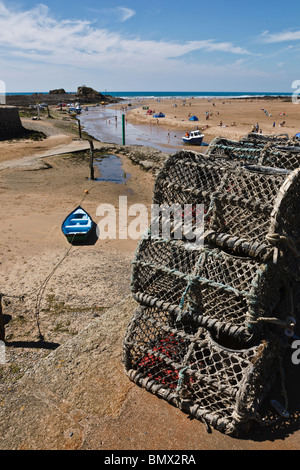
271, 151
213, 304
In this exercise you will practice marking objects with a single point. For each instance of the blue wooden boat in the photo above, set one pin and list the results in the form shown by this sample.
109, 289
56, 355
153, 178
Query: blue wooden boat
77, 225
193, 138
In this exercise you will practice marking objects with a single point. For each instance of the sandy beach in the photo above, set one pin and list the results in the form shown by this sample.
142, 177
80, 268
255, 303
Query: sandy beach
229, 118
35, 198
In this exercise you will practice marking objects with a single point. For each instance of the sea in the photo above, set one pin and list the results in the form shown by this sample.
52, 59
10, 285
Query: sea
176, 94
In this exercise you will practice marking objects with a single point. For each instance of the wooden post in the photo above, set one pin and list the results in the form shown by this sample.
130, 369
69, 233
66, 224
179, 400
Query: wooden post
123, 129
79, 128
92, 159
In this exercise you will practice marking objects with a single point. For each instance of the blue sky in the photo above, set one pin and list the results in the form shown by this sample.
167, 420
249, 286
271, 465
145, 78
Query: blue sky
137, 45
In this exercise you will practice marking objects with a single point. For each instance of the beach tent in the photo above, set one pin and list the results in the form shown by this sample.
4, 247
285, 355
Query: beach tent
193, 118
158, 115
297, 136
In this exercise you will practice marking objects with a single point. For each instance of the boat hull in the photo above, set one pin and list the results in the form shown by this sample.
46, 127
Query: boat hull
193, 138
195, 141
77, 226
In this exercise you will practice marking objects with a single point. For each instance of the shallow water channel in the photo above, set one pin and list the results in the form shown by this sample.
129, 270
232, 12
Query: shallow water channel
105, 125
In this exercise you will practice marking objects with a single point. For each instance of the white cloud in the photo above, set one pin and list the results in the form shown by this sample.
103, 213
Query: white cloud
38, 36
126, 13
37, 44
281, 36
119, 14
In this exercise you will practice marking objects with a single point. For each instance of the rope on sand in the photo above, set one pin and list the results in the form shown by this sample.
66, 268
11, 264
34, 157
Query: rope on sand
42, 288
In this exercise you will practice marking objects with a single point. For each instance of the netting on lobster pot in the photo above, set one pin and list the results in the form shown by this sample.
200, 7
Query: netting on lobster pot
257, 138
242, 205
224, 293
282, 157
236, 296
270, 153
231, 150
162, 269
183, 364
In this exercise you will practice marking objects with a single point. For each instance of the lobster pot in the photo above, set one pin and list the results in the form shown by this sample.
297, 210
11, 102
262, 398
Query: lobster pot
282, 157
224, 293
162, 269
235, 296
243, 206
256, 138
184, 365
272, 153
210, 329
236, 151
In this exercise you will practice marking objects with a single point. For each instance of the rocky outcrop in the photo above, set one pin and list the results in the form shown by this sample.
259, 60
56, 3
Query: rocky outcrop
60, 91
84, 95
87, 93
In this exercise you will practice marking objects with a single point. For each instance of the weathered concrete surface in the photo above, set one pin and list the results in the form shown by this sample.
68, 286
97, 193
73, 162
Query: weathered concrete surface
80, 398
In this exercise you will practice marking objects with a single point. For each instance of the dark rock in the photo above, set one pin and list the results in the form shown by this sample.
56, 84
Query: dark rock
59, 91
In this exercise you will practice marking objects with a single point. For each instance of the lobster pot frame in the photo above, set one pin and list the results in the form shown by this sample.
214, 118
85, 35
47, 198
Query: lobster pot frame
183, 364
270, 153
222, 292
247, 209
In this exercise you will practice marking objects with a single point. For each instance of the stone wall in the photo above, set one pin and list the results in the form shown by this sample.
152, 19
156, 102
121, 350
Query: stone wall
10, 122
